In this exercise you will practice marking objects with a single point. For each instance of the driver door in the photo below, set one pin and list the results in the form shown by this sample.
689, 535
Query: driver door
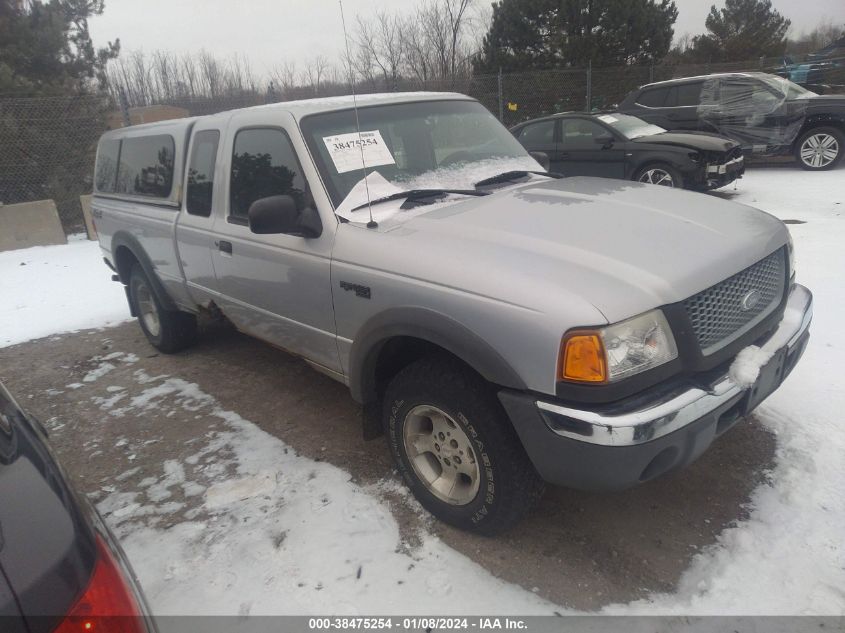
750, 112
276, 287
581, 155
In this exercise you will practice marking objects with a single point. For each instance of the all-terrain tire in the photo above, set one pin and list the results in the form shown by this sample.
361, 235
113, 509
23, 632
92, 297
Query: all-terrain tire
508, 483
169, 331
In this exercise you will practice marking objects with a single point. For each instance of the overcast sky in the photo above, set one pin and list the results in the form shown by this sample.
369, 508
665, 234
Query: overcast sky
267, 31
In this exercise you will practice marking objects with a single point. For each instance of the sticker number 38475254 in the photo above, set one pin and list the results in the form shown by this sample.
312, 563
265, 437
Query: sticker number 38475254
347, 150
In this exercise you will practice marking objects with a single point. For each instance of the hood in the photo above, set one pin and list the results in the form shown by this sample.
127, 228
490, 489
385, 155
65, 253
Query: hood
693, 140
549, 246
824, 100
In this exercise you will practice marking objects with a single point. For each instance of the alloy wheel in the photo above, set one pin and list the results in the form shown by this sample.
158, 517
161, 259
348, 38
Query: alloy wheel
657, 176
819, 150
441, 455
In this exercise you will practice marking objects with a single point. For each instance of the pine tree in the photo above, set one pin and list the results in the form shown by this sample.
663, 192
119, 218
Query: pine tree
46, 48
540, 34
742, 30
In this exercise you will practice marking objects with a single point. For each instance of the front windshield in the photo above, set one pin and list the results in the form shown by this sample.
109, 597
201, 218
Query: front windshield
630, 126
785, 87
420, 145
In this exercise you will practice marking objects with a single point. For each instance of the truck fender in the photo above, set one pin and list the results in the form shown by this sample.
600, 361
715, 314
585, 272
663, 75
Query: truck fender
427, 325
124, 239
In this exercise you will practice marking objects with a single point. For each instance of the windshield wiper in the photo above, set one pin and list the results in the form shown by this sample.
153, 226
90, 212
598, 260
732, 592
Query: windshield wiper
422, 194
509, 176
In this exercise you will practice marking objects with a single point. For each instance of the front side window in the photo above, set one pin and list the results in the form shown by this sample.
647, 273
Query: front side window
264, 164
542, 133
580, 132
146, 166
201, 173
742, 95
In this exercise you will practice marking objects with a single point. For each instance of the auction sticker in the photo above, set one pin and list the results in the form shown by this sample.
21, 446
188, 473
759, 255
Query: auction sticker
348, 150
607, 118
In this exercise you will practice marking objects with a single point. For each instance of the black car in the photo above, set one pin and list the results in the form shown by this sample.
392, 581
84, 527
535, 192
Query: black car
60, 568
768, 115
615, 145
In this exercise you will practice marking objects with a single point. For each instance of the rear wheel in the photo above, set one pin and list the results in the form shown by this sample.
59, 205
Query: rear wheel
456, 449
659, 174
169, 331
820, 148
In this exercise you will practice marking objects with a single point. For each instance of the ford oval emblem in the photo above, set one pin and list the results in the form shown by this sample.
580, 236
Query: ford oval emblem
750, 299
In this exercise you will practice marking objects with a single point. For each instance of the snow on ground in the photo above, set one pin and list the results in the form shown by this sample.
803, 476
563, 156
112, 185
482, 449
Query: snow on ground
788, 557
54, 289
297, 536
276, 532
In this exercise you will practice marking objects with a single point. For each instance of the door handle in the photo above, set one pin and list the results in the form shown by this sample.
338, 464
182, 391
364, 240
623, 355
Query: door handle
224, 246
564, 154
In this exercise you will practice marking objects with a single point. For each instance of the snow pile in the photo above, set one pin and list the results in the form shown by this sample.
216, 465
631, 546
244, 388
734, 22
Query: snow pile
747, 365
276, 533
53, 289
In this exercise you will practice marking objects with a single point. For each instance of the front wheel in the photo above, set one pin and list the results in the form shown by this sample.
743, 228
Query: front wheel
659, 174
820, 148
169, 331
456, 449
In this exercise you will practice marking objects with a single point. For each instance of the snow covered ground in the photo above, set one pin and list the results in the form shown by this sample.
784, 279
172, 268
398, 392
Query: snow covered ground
52, 289
273, 526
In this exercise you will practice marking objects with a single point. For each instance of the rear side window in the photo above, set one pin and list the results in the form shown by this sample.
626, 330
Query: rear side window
105, 173
653, 97
146, 166
264, 164
198, 196
541, 133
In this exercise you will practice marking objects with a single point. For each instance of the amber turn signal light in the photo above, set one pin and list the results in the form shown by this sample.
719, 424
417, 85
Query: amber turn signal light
582, 358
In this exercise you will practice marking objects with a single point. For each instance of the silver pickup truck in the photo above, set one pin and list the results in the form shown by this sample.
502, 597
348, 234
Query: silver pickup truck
501, 325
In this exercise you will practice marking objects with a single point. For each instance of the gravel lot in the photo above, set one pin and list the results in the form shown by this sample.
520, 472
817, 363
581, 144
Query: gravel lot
238, 482
576, 549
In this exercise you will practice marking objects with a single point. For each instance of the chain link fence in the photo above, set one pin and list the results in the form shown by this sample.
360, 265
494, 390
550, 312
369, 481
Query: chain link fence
47, 147
48, 144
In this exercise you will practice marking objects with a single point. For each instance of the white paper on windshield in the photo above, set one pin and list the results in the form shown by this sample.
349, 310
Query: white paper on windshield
347, 150
607, 118
378, 187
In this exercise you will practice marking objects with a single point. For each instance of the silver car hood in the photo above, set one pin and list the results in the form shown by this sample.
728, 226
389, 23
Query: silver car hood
623, 247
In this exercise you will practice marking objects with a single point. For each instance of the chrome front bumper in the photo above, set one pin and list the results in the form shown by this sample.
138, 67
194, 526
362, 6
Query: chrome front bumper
661, 418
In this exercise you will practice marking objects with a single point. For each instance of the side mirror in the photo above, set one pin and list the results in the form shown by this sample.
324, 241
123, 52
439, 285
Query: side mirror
279, 214
542, 158
605, 140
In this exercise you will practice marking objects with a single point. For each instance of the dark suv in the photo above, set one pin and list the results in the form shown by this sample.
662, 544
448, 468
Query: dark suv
768, 115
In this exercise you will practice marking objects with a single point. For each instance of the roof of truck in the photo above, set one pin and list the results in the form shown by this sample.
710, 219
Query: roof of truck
299, 109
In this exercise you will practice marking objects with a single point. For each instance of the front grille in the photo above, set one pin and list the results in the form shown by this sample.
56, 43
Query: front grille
724, 312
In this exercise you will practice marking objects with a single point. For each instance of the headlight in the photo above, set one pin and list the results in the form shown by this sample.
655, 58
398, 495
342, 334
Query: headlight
617, 351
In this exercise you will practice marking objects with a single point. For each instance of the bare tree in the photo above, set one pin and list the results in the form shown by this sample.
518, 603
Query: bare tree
825, 32
285, 75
